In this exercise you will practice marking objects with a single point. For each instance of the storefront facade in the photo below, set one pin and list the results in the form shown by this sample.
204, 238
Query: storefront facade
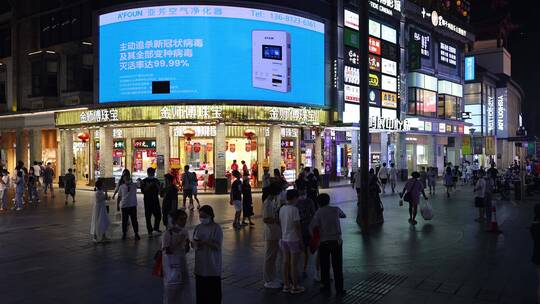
107, 140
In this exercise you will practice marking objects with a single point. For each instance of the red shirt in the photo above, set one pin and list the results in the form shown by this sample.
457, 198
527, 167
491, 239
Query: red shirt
234, 167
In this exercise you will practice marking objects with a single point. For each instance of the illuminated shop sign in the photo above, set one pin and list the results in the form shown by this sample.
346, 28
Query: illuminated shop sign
469, 68
502, 98
382, 123
374, 80
389, 67
374, 46
374, 28
351, 20
374, 97
388, 7
389, 34
425, 42
447, 54
158, 113
438, 21
351, 38
352, 56
389, 83
374, 63
389, 100
352, 93
490, 114
200, 131
352, 75
143, 144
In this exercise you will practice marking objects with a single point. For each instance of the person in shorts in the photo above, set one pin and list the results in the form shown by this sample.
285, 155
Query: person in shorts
187, 188
291, 243
383, 177
236, 198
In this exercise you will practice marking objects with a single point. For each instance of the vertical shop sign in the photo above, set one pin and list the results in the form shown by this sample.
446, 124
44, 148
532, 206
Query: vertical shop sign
490, 145
466, 145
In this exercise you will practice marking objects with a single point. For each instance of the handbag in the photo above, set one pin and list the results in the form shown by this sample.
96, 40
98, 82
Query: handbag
157, 270
426, 211
479, 202
315, 241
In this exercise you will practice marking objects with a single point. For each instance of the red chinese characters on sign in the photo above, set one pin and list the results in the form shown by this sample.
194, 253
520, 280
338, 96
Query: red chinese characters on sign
374, 46
374, 63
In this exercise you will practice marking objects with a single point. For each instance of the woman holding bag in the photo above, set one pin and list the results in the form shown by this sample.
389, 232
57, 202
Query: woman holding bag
175, 245
411, 194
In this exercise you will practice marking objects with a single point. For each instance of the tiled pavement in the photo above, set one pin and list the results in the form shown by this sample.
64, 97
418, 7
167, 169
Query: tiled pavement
46, 256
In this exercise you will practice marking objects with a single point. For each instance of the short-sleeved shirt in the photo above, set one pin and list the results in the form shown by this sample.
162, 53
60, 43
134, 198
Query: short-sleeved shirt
288, 217
272, 232
208, 260
236, 190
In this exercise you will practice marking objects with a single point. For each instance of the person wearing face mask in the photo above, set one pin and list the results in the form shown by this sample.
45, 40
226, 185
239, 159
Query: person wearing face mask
175, 245
207, 240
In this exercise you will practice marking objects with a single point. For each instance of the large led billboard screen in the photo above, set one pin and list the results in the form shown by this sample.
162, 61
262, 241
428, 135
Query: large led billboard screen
205, 52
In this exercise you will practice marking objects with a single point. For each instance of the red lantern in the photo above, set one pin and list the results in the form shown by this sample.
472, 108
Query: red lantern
197, 147
83, 136
209, 147
248, 147
249, 133
188, 133
232, 148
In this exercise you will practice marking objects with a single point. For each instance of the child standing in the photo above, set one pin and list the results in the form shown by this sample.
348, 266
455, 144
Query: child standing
100, 219
247, 202
205, 179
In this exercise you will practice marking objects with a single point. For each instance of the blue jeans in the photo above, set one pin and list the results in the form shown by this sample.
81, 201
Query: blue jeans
19, 198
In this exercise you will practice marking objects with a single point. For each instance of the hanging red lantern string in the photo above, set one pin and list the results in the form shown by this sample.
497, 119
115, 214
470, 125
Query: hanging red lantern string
83, 136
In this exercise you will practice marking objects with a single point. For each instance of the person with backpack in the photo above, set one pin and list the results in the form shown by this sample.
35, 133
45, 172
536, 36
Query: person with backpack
236, 198
151, 187
170, 198
69, 186
187, 188
326, 220
411, 194
175, 245
48, 176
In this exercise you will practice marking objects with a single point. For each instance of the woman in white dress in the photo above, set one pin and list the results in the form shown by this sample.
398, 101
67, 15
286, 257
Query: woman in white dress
100, 218
176, 281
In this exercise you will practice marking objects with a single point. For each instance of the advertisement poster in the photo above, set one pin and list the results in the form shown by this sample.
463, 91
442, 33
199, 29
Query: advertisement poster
208, 52
466, 145
490, 145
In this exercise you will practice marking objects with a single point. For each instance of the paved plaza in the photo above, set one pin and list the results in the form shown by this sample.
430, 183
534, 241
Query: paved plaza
47, 256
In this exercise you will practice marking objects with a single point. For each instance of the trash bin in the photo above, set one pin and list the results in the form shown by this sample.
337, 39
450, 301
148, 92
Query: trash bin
517, 190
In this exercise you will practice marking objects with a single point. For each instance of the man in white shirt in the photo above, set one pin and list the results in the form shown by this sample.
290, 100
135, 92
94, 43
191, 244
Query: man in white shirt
37, 172
291, 242
392, 177
383, 176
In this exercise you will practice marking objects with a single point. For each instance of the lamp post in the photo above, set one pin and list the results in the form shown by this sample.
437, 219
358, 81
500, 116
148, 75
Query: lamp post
362, 214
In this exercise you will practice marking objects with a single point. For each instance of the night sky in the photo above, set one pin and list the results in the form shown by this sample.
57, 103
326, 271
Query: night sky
523, 19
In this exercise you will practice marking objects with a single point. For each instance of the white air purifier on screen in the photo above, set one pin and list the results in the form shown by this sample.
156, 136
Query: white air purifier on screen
271, 60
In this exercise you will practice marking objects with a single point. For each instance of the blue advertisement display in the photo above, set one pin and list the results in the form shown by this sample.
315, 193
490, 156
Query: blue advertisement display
469, 68
184, 52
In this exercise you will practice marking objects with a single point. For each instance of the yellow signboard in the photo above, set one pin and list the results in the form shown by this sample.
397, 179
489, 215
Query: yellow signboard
389, 100
208, 113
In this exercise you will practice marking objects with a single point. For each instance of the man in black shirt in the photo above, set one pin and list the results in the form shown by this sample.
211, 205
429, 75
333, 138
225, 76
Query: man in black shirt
150, 188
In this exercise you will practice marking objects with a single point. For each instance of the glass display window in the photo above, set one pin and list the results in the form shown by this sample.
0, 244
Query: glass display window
198, 153
144, 157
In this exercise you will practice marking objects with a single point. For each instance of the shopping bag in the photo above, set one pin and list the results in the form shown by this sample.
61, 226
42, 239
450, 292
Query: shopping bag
426, 211
157, 270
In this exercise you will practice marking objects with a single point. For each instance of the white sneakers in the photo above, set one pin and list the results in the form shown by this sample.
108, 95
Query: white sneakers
272, 285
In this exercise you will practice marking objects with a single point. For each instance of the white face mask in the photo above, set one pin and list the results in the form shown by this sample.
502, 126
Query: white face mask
206, 221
